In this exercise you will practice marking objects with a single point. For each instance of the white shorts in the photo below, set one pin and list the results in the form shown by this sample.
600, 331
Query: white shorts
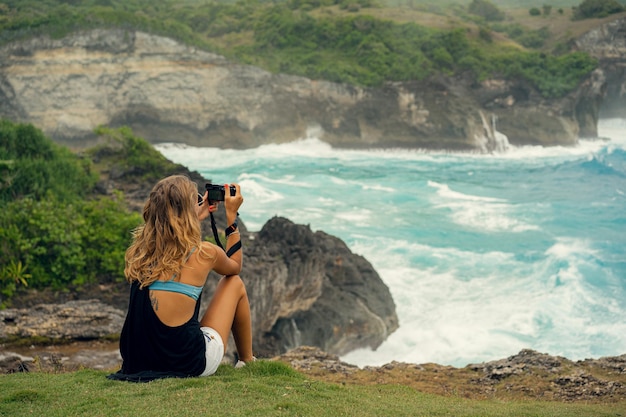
214, 350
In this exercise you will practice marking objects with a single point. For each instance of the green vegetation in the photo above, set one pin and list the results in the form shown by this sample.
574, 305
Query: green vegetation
336, 40
35, 167
263, 388
134, 156
597, 9
487, 10
56, 232
528, 38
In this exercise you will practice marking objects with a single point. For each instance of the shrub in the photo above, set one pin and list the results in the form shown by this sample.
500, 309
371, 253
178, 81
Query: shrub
597, 8
132, 154
33, 166
534, 11
487, 10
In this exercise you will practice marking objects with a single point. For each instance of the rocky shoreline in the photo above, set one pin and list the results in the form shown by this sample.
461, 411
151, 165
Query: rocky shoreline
526, 375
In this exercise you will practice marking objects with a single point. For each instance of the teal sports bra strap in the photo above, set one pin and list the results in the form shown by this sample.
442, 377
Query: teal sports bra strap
179, 287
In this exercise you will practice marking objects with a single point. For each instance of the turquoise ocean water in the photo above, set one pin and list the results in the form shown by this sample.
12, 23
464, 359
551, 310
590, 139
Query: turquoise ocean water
484, 254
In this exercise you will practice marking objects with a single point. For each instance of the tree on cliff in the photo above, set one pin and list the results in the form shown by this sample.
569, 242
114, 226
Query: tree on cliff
597, 9
487, 10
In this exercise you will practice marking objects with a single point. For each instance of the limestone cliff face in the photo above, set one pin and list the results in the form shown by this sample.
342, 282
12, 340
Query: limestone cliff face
608, 44
167, 91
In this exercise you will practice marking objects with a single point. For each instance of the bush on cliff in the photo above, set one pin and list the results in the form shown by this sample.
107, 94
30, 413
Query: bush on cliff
33, 166
589, 9
51, 223
487, 10
137, 158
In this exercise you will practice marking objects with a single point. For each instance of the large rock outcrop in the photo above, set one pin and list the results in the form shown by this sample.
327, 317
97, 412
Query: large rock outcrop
308, 288
166, 91
607, 43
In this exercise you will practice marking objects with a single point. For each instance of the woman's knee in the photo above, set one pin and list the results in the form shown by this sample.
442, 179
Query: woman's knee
236, 283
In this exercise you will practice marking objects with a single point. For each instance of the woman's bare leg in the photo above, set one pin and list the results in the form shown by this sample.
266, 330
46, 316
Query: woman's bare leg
228, 310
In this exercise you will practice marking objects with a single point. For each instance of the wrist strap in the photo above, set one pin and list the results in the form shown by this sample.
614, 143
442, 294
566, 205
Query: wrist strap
230, 229
233, 249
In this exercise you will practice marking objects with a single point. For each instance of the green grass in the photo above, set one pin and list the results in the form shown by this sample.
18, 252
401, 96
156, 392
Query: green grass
264, 388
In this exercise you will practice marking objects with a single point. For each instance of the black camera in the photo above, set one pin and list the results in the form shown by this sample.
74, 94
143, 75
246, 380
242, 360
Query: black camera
217, 192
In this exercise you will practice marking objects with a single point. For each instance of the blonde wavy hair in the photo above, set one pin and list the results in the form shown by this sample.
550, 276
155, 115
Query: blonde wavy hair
170, 231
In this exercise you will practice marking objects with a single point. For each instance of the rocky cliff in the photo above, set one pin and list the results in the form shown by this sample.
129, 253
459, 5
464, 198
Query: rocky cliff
167, 91
608, 44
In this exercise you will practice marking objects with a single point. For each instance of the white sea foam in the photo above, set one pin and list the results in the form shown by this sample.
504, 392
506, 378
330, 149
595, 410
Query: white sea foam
483, 213
255, 190
474, 312
283, 180
445, 191
312, 147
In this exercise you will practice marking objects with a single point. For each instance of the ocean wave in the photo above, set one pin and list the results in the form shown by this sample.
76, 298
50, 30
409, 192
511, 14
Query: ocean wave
312, 148
478, 212
466, 306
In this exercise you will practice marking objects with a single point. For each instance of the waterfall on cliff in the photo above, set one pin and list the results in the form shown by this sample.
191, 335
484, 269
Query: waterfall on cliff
492, 140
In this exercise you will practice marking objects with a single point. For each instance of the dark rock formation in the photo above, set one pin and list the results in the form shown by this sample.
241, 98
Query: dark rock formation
518, 364
308, 288
169, 92
607, 43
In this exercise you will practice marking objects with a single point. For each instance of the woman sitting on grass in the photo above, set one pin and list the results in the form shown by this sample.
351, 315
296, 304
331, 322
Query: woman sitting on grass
167, 265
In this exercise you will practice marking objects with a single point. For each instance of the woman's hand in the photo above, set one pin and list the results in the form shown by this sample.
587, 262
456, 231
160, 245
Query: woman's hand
204, 209
232, 203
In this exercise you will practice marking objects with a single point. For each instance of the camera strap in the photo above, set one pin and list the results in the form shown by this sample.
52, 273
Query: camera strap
215, 235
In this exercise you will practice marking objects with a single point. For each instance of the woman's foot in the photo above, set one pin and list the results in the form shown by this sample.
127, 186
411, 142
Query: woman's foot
241, 364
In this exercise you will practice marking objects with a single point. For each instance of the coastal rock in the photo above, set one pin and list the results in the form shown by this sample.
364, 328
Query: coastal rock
63, 357
169, 92
528, 374
525, 361
308, 288
73, 320
607, 43
308, 358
